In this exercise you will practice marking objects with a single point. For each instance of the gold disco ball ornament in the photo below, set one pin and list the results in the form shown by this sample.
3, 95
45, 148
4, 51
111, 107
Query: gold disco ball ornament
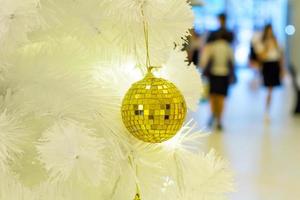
153, 109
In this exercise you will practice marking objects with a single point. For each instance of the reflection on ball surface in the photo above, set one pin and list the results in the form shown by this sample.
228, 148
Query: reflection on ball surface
153, 109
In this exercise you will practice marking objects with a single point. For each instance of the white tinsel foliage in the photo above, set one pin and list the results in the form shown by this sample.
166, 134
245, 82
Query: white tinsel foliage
167, 171
71, 152
157, 168
12, 138
168, 21
17, 18
113, 80
189, 138
79, 19
170, 175
207, 176
53, 75
119, 76
71, 191
22, 130
12, 189
151, 176
185, 77
52, 78
116, 78
50, 190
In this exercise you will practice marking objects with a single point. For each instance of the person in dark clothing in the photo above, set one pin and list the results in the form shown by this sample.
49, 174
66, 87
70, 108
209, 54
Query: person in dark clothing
272, 59
226, 34
218, 63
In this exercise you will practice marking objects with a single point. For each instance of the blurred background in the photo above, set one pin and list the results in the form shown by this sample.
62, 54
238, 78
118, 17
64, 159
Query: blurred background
245, 18
265, 154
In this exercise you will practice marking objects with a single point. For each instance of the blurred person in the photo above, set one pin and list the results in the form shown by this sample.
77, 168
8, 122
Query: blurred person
271, 57
226, 34
217, 60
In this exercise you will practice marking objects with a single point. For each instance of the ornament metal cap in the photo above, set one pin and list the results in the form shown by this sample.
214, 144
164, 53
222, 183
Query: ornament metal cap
137, 197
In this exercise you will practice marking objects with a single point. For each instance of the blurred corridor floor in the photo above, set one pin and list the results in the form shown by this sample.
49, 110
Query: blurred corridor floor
265, 156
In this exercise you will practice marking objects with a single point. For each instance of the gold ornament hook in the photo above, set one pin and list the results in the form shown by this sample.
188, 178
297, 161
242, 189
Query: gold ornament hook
137, 197
149, 69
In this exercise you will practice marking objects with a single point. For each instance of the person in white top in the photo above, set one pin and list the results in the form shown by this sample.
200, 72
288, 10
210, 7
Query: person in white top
271, 57
217, 61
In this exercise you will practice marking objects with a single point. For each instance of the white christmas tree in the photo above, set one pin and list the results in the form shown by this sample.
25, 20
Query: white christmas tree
65, 66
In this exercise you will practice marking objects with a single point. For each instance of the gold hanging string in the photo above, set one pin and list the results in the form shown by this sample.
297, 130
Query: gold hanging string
146, 35
135, 169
